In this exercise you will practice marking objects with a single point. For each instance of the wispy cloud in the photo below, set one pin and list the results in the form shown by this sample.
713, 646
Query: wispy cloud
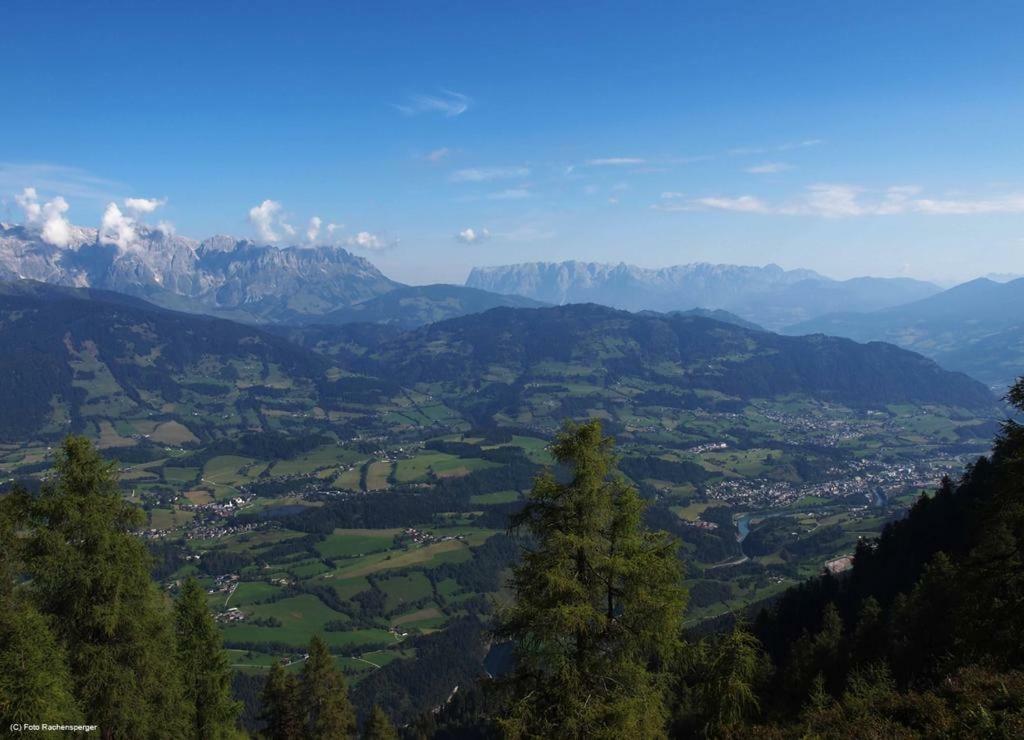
70, 182
470, 235
447, 103
784, 147
438, 155
486, 174
847, 201
1004, 204
615, 161
768, 168
509, 194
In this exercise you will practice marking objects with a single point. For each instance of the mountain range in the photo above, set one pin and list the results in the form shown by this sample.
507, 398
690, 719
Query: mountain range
93, 359
976, 327
769, 295
972, 327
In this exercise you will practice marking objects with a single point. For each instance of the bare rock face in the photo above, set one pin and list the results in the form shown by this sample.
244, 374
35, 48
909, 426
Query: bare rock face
222, 273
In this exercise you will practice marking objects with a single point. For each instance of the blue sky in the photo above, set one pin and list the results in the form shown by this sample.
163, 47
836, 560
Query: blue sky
849, 137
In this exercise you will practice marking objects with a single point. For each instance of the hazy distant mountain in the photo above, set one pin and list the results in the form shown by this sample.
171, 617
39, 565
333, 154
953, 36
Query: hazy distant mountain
415, 305
768, 295
1003, 277
222, 274
977, 327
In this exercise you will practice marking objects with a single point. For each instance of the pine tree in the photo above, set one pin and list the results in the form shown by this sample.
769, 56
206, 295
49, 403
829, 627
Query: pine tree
378, 726
204, 666
281, 710
325, 695
599, 603
90, 575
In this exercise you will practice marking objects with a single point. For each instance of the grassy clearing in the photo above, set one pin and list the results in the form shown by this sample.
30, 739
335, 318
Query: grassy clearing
430, 616
404, 589
434, 553
498, 497
249, 592
347, 544
173, 433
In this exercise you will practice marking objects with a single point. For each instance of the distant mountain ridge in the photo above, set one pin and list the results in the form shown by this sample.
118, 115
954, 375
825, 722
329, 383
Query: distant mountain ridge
976, 327
769, 295
684, 353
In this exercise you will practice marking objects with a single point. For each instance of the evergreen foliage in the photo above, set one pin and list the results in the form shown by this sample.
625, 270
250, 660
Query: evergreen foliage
598, 604
324, 695
204, 664
281, 705
89, 575
378, 726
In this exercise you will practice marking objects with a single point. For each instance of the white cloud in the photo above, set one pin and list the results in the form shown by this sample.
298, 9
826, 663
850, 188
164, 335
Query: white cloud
438, 154
472, 236
449, 103
117, 228
269, 222
847, 201
677, 202
486, 174
803, 144
768, 168
1005, 204
615, 161
28, 201
143, 205
48, 217
313, 229
509, 194
371, 242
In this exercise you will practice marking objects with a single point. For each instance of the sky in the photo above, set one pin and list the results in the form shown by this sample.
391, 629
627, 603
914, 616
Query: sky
852, 138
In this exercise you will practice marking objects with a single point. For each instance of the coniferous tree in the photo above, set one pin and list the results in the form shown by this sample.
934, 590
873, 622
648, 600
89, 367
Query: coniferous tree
35, 682
599, 603
325, 696
90, 575
204, 665
378, 726
281, 710
721, 680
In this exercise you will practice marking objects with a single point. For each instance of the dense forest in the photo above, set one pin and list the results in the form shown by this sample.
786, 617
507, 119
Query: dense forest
920, 639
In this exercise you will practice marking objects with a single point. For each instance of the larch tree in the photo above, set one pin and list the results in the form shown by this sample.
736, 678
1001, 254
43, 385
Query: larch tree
325, 696
204, 666
378, 726
598, 603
